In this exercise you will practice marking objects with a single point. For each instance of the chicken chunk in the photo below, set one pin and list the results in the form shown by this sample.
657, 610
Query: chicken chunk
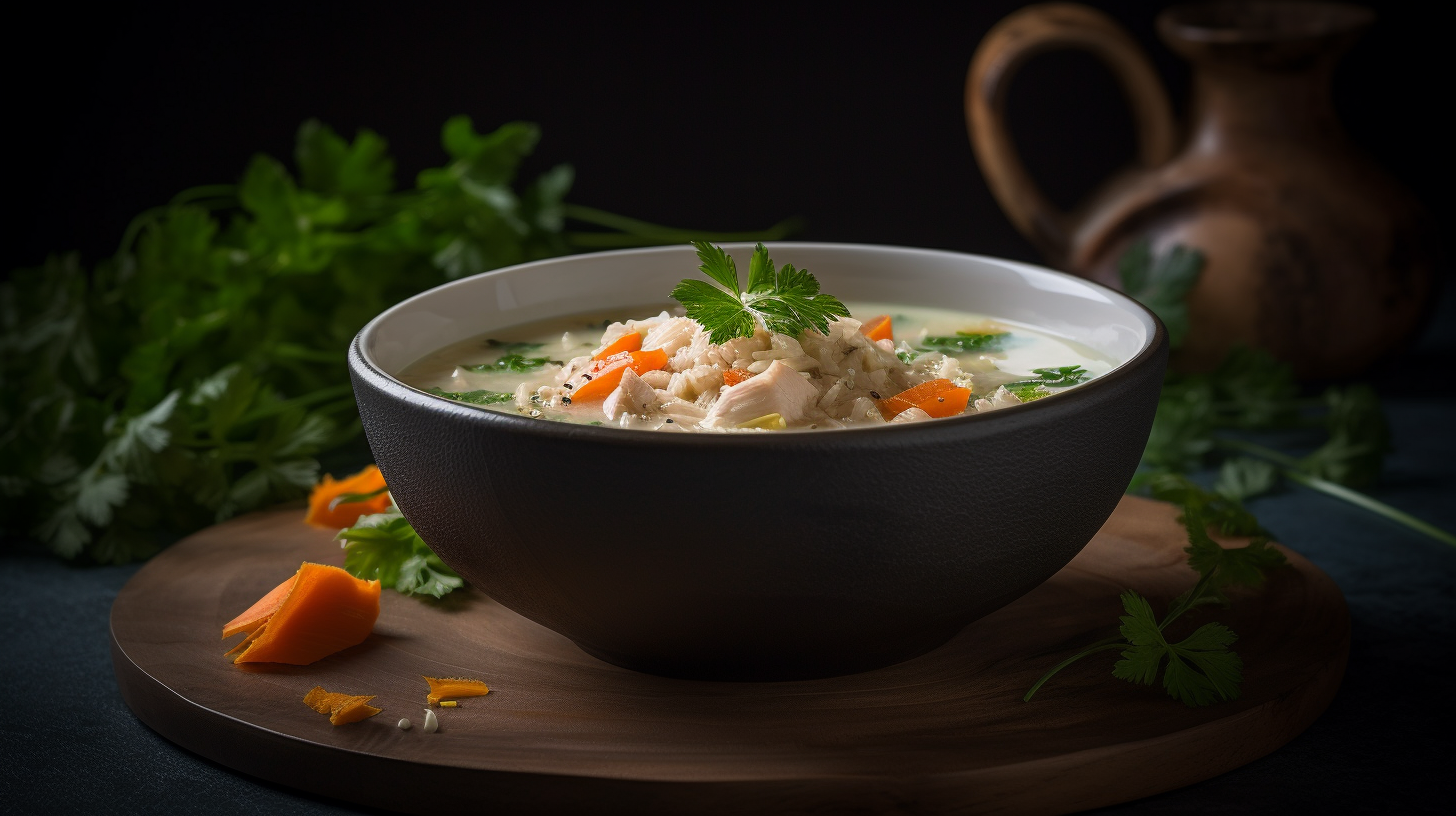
633, 396
778, 390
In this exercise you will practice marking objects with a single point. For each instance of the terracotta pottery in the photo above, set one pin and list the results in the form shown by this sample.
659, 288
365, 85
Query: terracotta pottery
1312, 251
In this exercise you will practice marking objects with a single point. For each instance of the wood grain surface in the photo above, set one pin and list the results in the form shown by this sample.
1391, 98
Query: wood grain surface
563, 732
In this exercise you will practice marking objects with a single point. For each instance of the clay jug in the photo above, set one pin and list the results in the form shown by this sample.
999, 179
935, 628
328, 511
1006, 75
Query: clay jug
1311, 251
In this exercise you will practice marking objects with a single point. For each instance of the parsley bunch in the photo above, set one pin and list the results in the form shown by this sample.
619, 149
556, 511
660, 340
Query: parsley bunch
785, 300
1207, 421
200, 371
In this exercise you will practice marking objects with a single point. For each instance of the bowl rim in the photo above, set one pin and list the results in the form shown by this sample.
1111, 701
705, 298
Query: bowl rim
359, 358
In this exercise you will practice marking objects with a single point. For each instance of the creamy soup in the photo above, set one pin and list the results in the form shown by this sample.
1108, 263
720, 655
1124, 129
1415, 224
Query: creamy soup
895, 365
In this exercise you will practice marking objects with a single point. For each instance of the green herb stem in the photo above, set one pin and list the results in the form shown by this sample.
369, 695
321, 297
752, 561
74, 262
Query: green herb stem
1292, 471
1359, 499
1099, 646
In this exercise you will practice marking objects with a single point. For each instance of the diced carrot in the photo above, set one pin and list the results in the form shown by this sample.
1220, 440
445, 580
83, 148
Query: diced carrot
947, 403
325, 610
259, 613
878, 328
367, 480
912, 397
734, 376
605, 375
631, 341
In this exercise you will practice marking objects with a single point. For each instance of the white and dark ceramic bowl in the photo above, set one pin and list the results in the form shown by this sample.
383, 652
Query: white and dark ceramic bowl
769, 555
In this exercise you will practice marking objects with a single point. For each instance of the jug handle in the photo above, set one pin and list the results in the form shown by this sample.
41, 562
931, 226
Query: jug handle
1009, 45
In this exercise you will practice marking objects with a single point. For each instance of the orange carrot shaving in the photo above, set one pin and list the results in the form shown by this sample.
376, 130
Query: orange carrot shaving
912, 397
878, 327
323, 611
259, 613
734, 376
341, 708
947, 403
442, 688
356, 709
631, 341
605, 375
322, 514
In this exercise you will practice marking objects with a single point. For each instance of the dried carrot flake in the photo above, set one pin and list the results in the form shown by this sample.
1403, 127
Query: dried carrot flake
440, 688
341, 708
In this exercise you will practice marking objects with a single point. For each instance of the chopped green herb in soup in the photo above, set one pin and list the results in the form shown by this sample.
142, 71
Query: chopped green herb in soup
776, 356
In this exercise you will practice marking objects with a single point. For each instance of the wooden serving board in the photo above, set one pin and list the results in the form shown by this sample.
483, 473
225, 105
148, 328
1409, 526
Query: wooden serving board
563, 732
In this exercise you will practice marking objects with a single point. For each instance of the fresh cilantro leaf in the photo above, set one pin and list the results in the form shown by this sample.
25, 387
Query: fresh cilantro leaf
327, 164
1200, 668
1359, 438
907, 357
481, 397
1243, 477
386, 548
785, 300
1061, 377
962, 342
1162, 283
1182, 432
514, 363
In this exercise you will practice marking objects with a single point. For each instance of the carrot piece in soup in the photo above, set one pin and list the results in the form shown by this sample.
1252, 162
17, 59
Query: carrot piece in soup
947, 403
911, 397
631, 341
878, 328
605, 375
368, 480
324, 611
734, 376
452, 687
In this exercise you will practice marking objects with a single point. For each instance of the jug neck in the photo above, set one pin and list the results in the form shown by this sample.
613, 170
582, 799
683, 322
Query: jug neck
1262, 70
1238, 106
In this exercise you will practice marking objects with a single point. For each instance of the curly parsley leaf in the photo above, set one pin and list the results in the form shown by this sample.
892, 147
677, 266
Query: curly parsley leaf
386, 548
480, 397
785, 300
1162, 283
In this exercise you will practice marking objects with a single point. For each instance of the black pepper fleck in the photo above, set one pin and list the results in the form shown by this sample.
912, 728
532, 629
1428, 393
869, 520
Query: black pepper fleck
586, 377
940, 399
566, 400
669, 422
876, 395
568, 386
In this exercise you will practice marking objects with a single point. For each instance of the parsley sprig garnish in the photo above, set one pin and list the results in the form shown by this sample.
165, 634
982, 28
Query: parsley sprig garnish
786, 300
1200, 668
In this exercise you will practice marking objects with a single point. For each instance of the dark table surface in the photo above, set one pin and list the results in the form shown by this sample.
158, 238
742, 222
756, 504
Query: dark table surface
68, 744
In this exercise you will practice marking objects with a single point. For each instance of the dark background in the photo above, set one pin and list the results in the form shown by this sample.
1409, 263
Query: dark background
714, 118
722, 120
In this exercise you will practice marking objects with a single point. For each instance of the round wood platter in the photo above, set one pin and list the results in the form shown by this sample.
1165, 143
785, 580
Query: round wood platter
561, 732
